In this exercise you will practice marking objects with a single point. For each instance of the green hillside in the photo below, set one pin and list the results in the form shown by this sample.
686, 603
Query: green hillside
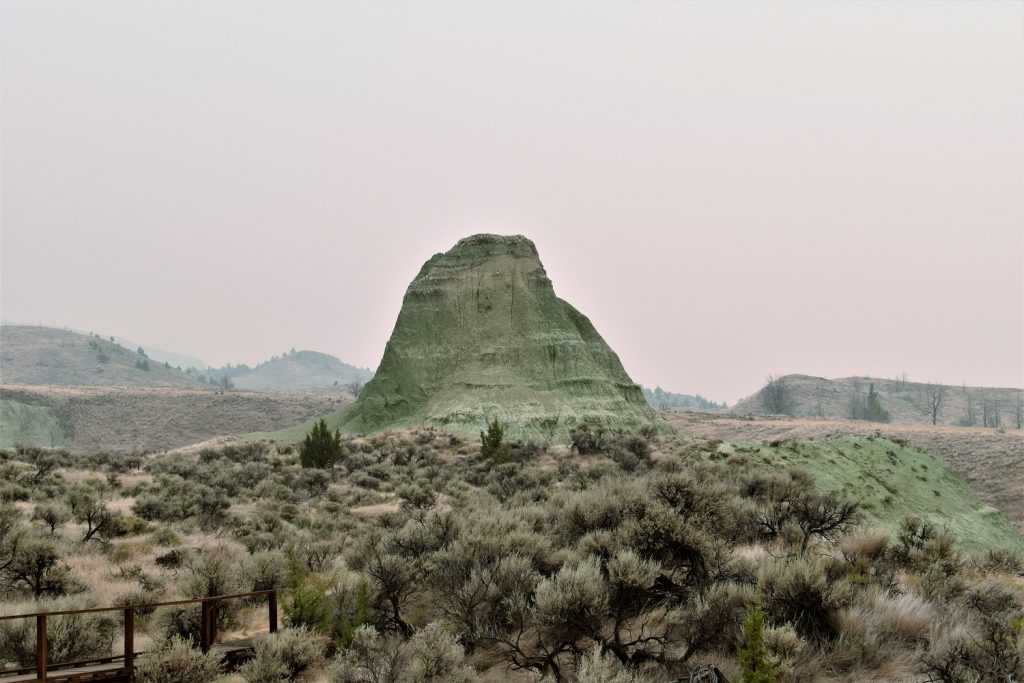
22, 424
891, 481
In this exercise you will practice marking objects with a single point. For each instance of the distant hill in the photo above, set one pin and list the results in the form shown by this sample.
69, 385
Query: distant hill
907, 402
293, 371
176, 360
660, 399
50, 356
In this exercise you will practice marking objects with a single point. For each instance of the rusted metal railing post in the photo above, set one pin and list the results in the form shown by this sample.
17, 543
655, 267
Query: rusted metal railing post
129, 639
204, 629
272, 606
214, 609
41, 654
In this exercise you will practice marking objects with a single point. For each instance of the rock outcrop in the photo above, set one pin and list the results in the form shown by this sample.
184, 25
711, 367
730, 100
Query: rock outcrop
482, 336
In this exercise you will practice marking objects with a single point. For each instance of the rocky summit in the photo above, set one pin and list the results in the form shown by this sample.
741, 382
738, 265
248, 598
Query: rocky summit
482, 336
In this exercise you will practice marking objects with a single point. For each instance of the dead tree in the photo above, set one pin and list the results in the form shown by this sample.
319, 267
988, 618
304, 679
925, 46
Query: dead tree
776, 396
935, 394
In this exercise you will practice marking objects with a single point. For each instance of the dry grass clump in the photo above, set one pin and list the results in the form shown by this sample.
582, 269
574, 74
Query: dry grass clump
864, 545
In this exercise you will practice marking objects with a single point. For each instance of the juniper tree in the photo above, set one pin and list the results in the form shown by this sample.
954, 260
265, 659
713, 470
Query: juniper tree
492, 441
321, 448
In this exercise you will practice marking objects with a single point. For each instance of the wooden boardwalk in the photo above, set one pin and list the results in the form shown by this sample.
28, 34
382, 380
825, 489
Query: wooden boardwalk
122, 667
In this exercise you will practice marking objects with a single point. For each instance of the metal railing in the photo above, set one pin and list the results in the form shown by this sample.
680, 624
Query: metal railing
207, 637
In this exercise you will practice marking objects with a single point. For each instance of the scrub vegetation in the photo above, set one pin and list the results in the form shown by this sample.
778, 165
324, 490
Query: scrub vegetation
413, 556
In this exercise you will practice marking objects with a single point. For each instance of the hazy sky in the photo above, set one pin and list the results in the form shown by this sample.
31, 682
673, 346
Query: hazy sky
727, 190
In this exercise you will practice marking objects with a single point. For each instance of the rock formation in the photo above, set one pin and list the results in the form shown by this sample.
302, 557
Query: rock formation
481, 336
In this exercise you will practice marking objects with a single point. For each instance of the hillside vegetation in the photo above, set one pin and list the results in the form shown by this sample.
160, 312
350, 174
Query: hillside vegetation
297, 370
890, 481
141, 419
49, 356
991, 460
908, 402
414, 557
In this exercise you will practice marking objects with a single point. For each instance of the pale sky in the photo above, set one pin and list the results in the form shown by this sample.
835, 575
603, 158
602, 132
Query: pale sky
726, 189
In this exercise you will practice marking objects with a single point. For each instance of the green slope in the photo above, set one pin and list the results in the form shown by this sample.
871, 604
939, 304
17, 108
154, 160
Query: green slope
22, 424
891, 481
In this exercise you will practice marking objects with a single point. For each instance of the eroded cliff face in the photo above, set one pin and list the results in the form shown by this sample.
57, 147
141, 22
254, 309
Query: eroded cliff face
481, 335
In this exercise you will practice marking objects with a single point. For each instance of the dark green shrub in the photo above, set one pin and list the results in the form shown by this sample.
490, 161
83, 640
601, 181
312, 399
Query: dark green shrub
321, 448
753, 655
590, 438
307, 605
493, 440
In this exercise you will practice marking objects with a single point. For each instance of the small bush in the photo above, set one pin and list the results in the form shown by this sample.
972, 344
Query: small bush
284, 655
753, 655
137, 597
1003, 561
35, 565
53, 515
177, 661
126, 525
308, 606
182, 622
165, 536
265, 570
430, 656
597, 667
798, 592
590, 438
493, 440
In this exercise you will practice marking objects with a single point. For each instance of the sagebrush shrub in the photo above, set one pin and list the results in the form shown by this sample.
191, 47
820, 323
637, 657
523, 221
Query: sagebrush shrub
177, 661
798, 591
284, 655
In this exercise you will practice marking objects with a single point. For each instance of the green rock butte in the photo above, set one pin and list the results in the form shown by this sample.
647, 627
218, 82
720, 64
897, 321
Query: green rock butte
482, 336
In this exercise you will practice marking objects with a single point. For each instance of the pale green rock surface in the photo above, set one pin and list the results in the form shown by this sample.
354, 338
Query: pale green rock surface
481, 336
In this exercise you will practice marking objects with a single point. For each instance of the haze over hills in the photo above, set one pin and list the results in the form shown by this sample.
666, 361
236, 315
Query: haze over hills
293, 371
660, 399
175, 360
482, 336
50, 356
906, 402
37, 355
